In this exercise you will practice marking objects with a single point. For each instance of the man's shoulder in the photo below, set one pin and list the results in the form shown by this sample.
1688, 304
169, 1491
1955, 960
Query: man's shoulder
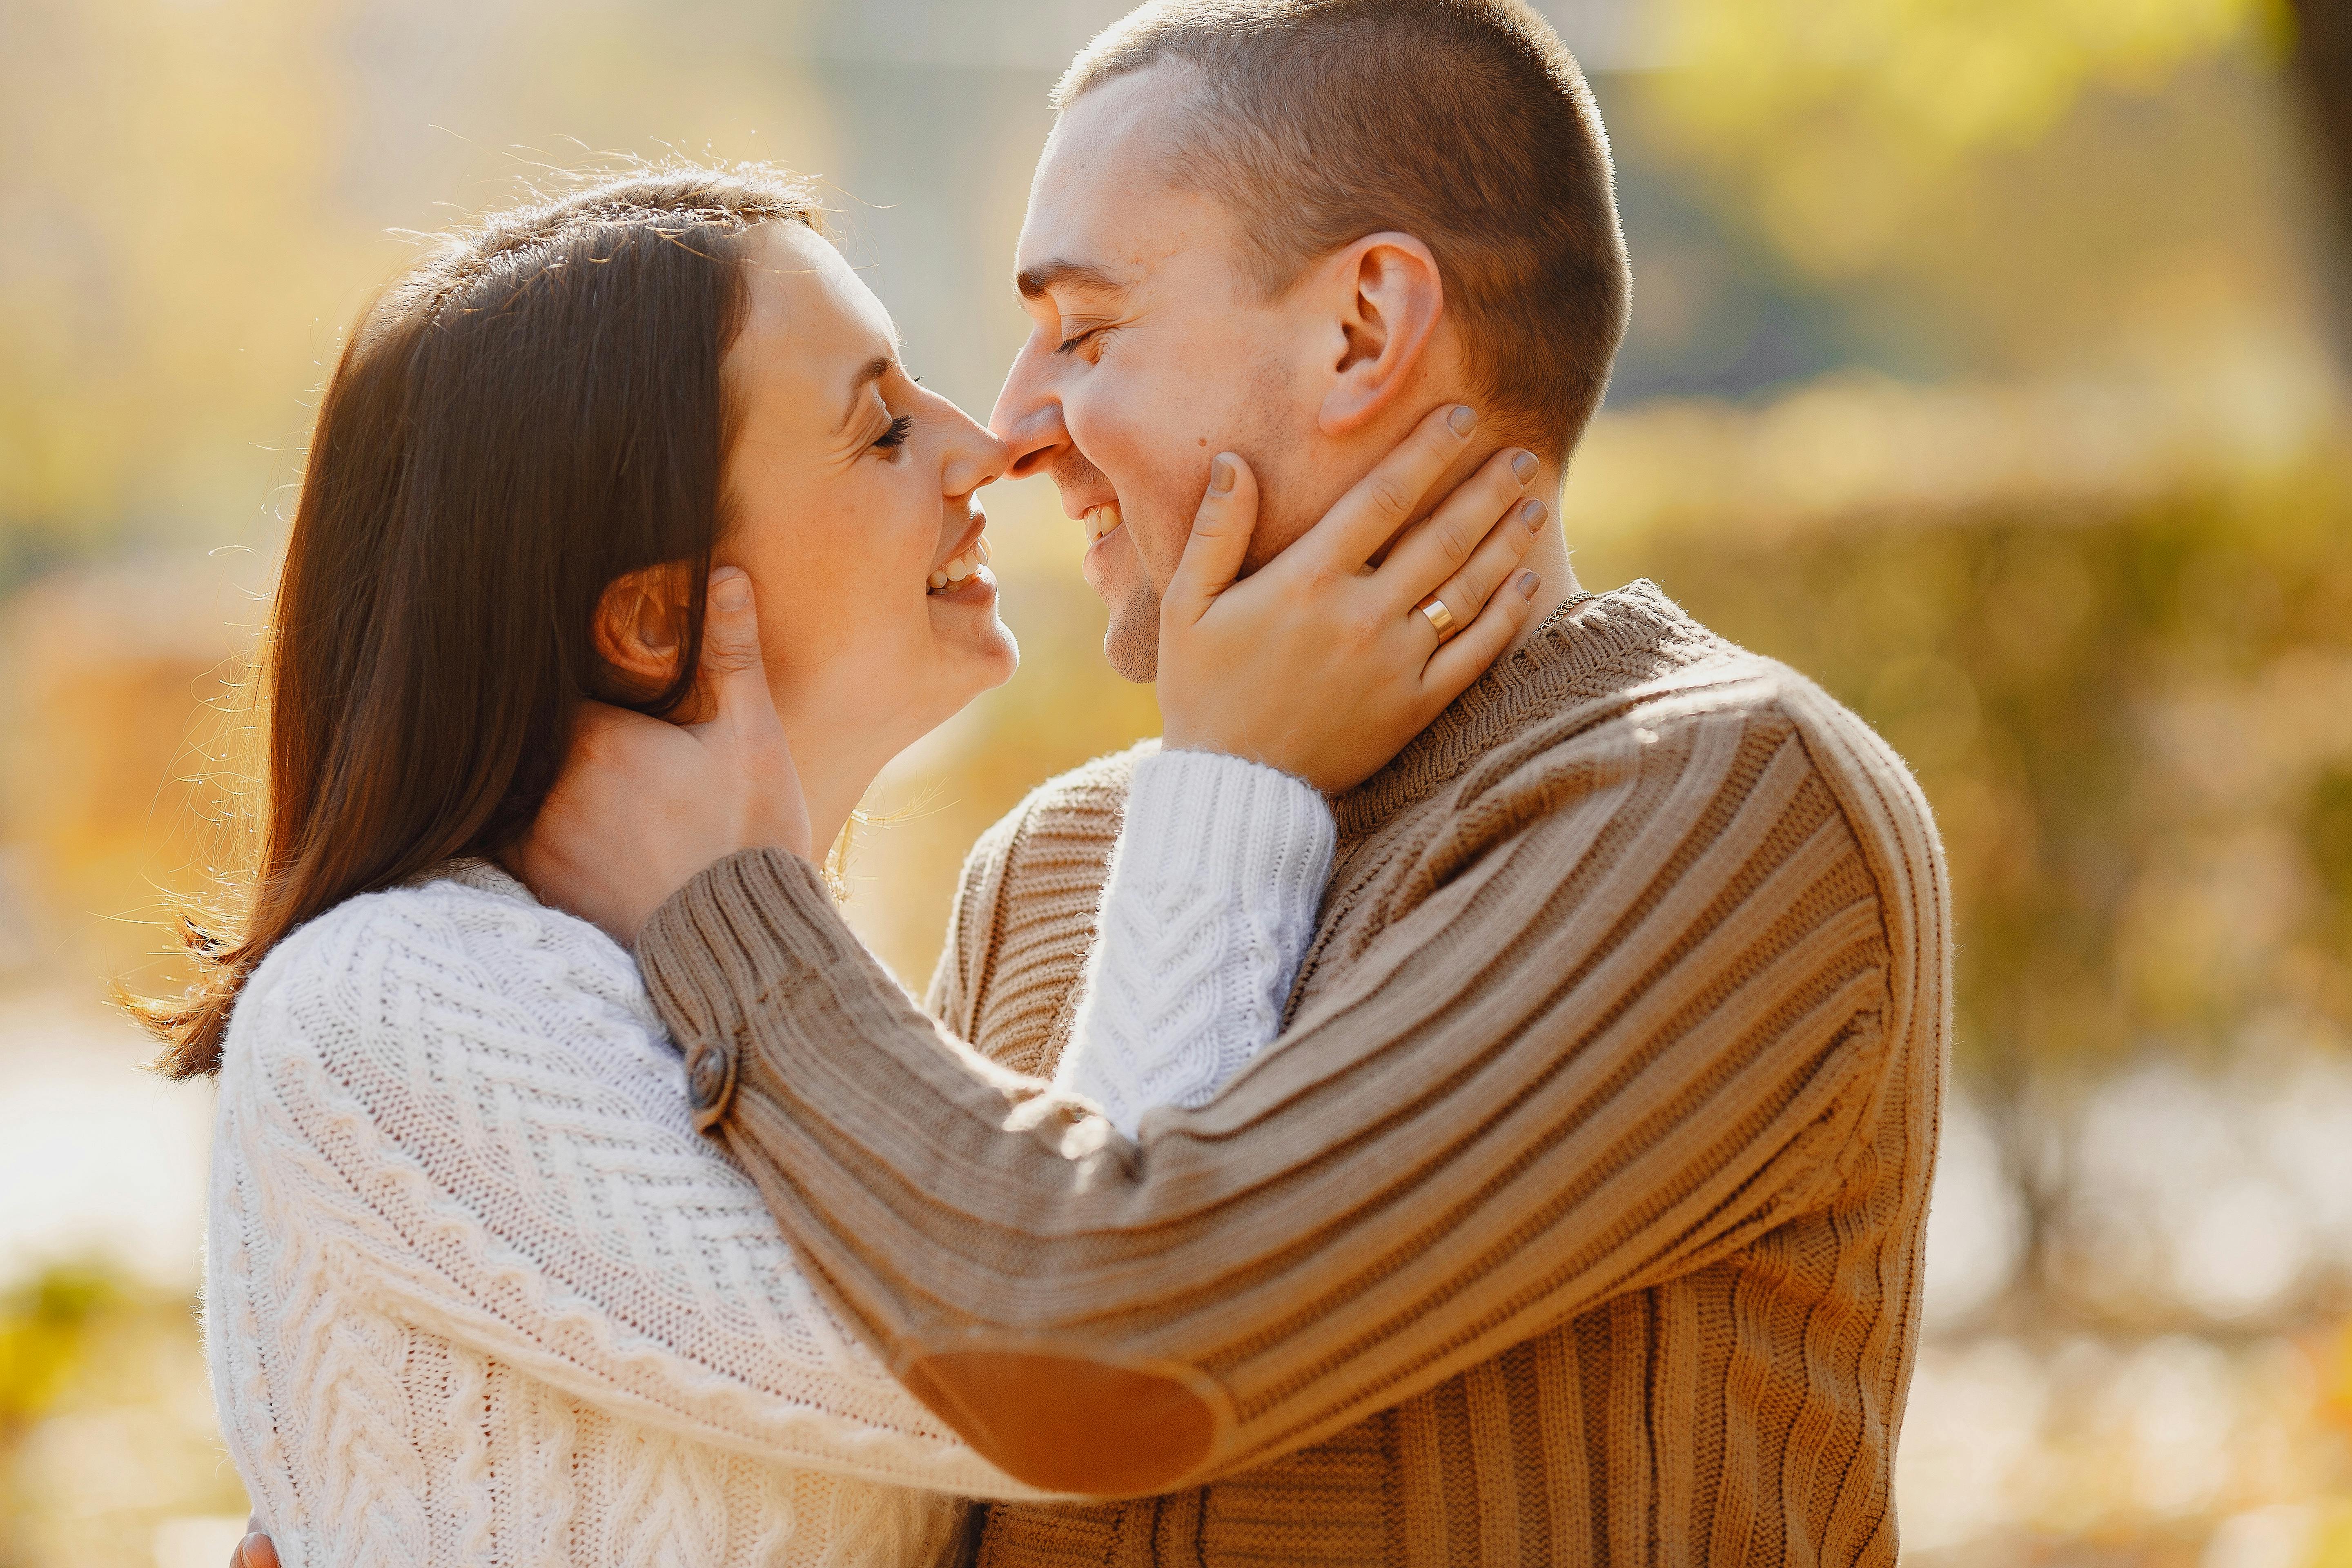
1873, 783
1647, 662
1093, 786
1640, 670
1732, 690
1024, 909
1071, 813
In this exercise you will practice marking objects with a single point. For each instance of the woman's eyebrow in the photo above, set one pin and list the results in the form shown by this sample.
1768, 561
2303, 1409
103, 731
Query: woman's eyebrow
870, 372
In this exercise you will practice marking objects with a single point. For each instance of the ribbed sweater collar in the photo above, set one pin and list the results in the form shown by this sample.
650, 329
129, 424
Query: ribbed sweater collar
1563, 663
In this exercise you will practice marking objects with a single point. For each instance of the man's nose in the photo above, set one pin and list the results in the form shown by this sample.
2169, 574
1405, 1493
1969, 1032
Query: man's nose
1028, 413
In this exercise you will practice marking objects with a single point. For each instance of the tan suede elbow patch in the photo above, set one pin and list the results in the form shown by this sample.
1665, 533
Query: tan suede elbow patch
1070, 1423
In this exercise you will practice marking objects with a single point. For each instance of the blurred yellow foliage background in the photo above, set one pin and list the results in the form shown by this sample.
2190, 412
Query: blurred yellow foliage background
1988, 363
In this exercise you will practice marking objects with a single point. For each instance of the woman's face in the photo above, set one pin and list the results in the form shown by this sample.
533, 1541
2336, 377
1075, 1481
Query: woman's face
851, 491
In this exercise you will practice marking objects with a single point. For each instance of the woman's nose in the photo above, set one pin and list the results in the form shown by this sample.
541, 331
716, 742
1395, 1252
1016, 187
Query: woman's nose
976, 456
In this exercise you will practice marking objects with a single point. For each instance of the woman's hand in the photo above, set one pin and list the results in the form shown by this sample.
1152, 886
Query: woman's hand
1320, 664
642, 803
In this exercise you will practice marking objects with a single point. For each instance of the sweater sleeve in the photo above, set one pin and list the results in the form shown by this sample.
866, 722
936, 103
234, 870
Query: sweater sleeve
1208, 909
465, 1114
1628, 1002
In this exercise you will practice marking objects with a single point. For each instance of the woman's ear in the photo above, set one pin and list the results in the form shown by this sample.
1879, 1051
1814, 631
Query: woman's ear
1389, 298
640, 626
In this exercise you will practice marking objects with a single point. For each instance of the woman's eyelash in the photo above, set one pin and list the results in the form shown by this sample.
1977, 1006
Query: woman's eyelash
896, 435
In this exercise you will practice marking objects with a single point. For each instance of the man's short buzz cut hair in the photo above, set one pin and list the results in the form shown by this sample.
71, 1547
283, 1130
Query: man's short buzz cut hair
1465, 123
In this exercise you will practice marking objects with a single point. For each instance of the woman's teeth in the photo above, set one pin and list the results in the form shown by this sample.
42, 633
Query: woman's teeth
962, 566
1101, 520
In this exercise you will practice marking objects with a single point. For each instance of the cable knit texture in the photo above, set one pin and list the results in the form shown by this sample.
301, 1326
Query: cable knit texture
1575, 1218
1208, 909
477, 1293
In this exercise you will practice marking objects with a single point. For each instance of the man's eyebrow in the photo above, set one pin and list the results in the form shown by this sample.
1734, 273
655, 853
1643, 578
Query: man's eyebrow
870, 372
1035, 282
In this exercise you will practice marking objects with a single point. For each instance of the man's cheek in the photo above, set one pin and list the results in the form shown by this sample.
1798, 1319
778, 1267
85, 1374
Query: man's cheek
1160, 515
1160, 543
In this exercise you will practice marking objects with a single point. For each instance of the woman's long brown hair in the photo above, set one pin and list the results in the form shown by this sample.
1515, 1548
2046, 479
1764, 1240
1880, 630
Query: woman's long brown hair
529, 413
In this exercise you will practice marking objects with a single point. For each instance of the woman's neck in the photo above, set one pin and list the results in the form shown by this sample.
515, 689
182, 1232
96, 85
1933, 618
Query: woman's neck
837, 762
829, 807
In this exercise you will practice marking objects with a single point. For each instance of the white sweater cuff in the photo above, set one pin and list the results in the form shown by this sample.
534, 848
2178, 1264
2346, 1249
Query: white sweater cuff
1212, 900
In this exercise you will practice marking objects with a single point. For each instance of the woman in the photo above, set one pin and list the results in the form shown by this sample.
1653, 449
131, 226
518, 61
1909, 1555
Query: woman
476, 1291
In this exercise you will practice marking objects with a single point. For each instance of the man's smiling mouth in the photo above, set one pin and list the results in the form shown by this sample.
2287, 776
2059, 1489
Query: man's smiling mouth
1101, 522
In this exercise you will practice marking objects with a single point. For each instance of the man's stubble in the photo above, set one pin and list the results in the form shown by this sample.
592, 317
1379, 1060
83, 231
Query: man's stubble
1132, 640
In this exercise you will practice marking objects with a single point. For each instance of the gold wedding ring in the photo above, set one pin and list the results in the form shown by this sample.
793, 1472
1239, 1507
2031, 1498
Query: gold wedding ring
1439, 616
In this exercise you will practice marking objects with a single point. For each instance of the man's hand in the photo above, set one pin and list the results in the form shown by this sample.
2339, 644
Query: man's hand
1321, 664
641, 804
255, 1550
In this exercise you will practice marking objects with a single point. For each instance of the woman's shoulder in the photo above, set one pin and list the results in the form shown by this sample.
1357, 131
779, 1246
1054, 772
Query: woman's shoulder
463, 942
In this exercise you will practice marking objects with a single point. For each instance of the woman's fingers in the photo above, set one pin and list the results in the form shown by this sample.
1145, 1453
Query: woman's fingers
1466, 655
1497, 557
1444, 543
1382, 502
1220, 540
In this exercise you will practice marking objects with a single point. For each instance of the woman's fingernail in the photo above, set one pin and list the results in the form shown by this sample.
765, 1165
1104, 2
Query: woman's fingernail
1532, 512
1221, 474
1464, 419
1526, 583
1524, 464
730, 588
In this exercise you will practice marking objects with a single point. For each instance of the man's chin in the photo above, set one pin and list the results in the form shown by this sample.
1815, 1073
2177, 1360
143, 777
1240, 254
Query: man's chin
1131, 642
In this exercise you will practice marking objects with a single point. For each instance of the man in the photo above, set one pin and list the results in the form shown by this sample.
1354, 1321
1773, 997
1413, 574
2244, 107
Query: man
1576, 1214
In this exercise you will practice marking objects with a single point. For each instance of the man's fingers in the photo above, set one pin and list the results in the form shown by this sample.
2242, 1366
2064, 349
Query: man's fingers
255, 1550
1466, 657
591, 722
1220, 540
1497, 556
1369, 515
1484, 509
731, 650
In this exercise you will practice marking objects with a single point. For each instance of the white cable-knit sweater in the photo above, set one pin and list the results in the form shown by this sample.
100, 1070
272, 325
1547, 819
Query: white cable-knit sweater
1208, 907
477, 1293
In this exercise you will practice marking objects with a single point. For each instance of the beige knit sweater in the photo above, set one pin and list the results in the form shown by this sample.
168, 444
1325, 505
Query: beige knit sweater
1575, 1216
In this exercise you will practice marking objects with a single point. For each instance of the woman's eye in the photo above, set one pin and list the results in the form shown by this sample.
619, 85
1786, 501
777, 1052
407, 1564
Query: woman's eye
896, 437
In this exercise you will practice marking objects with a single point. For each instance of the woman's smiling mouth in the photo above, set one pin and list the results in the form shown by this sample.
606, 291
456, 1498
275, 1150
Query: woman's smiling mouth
951, 577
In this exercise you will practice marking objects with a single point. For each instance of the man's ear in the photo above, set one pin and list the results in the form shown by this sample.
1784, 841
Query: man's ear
640, 626
1387, 298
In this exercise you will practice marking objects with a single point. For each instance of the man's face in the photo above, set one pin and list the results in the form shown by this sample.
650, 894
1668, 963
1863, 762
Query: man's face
1152, 349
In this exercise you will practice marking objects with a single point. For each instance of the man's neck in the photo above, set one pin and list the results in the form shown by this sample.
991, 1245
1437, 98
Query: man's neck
1555, 582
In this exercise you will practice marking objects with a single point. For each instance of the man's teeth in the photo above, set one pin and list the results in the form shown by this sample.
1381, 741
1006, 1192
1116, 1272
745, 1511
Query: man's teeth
1101, 520
962, 566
